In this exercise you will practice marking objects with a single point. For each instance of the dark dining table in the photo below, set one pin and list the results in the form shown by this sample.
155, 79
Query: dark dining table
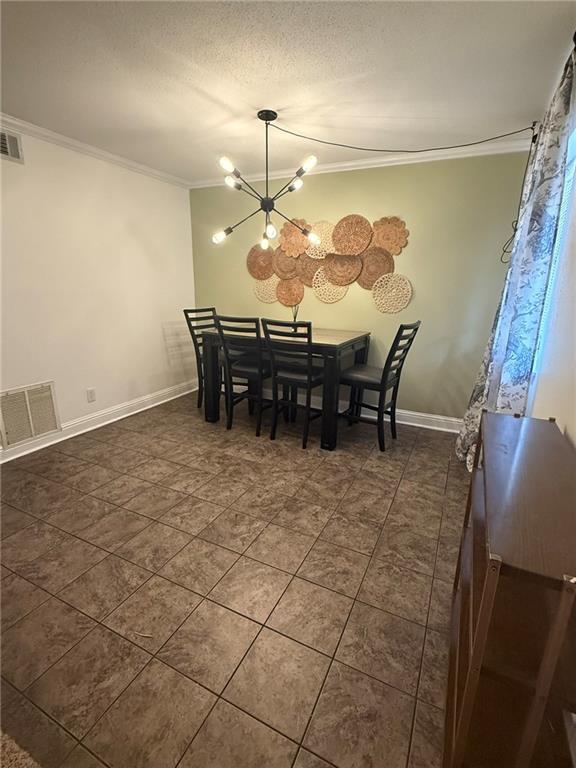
332, 345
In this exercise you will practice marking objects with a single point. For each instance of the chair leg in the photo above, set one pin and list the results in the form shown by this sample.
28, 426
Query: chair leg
274, 424
200, 393
229, 402
285, 408
358, 403
351, 405
393, 420
293, 399
259, 410
306, 418
381, 443
252, 392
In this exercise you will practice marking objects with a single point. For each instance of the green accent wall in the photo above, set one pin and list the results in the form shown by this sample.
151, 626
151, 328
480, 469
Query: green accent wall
459, 213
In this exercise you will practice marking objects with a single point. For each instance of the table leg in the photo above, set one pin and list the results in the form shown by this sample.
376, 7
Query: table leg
211, 380
330, 402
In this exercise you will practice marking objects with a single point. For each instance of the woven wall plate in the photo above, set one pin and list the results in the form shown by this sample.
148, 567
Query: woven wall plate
327, 291
392, 293
342, 270
375, 263
306, 268
390, 233
265, 290
290, 292
284, 265
324, 231
259, 263
292, 241
352, 235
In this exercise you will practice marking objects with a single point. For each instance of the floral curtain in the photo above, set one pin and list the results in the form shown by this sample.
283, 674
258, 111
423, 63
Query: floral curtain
506, 372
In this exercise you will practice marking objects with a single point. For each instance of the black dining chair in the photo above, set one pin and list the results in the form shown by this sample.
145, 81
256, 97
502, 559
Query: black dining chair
244, 363
294, 367
198, 321
383, 381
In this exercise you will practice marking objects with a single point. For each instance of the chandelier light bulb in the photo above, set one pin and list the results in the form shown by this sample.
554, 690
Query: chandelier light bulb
271, 231
219, 237
309, 163
313, 237
296, 184
264, 243
231, 182
227, 165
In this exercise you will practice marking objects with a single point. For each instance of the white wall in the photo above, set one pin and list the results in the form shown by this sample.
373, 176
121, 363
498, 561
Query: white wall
555, 389
96, 268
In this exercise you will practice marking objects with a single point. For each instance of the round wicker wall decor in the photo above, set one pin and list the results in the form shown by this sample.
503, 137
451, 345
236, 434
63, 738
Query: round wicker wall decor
259, 263
390, 233
392, 293
375, 263
292, 241
265, 290
324, 231
340, 269
352, 235
306, 268
290, 292
284, 265
327, 291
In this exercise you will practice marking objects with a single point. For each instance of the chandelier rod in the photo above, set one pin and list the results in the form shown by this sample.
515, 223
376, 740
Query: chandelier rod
304, 231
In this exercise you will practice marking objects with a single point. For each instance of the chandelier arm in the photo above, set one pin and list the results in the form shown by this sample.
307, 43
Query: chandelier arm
233, 227
267, 158
285, 187
304, 232
252, 194
259, 196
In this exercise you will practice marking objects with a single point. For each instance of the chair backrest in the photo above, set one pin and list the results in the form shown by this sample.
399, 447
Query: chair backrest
239, 335
199, 320
289, 345
397, 355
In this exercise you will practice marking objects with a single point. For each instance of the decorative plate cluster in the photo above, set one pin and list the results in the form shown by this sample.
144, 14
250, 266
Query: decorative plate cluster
351, 251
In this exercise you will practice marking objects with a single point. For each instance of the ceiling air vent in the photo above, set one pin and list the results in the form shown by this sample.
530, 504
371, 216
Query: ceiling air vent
11, 146
27, 413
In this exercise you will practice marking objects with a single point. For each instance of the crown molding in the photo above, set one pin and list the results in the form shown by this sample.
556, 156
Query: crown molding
29, 129
509, 146
503, 147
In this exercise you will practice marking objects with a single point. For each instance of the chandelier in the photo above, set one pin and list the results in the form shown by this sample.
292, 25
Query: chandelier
267, 202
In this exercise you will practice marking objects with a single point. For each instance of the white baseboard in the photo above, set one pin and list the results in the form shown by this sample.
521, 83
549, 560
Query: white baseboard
117, 412
98, 419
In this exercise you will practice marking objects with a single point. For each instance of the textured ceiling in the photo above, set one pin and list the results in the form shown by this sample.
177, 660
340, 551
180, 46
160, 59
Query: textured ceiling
174, 85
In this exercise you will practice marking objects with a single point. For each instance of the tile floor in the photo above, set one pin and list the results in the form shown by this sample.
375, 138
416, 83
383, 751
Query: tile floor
176, 594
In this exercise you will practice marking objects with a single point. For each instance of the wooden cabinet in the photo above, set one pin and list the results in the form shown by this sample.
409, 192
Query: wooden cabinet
512, 675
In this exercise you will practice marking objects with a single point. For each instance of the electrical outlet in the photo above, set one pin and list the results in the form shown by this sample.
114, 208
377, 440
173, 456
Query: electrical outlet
91, 395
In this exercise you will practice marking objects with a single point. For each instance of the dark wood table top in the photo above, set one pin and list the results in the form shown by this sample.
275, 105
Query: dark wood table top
326, 337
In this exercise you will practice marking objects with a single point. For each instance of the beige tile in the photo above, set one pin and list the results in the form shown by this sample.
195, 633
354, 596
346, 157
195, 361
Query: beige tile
278, 682
79, 688
260, 502
427, 738
280, 547
406, 549
397, 590
357, 715
155, 470
152, 613
334, 567
439, 617
62, 564
383, 646
153, 721
30, 543
199, 565
303, 516
306, 759
251, 588
122, 489
192, 515
232, 739
81, 758
33, 731
210, 644
434, 675
104, 587
18, 597
155, 501
312, 615
154, 546
187, 480
91, 478
13, 520
351, 532
233, 530
39, 639
223, 489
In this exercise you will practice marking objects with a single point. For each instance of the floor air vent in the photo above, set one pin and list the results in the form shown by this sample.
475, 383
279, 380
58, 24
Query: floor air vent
11, 146
27, 413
